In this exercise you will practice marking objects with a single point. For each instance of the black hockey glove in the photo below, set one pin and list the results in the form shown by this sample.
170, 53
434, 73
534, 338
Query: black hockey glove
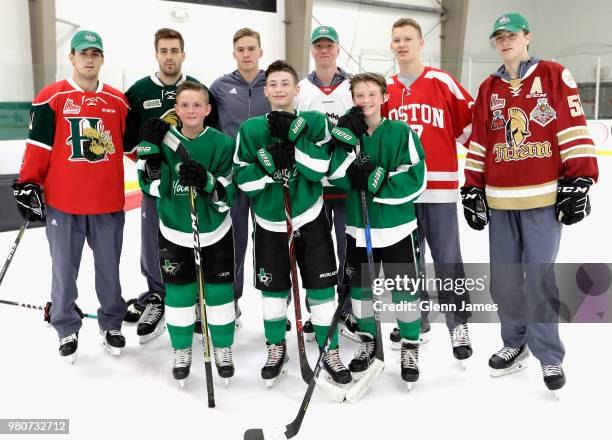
283, 155
359, 174
573, 202
154, 130
475, 208
354, 120
153, 166
192, 173
286, 125
29, 200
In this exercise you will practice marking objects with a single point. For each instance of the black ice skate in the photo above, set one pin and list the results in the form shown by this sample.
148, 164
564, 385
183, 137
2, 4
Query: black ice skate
335, 369
308, 329
181, 365
112, 341
508, 360
364, 356
134, 311
68, 347
554, 378
348, 327
396, 338
152, 323
460, 341
224, 363
276, 364
409, 362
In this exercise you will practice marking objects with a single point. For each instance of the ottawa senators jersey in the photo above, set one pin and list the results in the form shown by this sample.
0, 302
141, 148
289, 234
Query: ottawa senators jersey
438, 109
74, 148
526, 134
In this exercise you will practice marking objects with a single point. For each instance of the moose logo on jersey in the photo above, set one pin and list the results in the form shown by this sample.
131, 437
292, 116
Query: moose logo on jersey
89, 140
517, 132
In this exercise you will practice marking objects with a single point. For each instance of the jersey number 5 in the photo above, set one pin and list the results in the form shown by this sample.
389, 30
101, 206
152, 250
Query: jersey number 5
574, 104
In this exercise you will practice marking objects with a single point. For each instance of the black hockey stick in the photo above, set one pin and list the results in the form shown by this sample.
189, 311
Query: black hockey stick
295, 287
292, 429
11, 254
45, 309
182, 151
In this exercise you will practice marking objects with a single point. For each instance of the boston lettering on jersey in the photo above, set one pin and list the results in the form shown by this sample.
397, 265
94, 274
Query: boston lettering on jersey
419, 113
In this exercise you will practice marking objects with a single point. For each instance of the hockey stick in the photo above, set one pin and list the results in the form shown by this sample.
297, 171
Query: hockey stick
364, 383
14, 247
182, 151
307, 373
43, 308
292, 429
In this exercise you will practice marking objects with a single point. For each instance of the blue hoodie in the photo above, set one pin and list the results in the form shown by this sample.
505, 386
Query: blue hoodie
237, 100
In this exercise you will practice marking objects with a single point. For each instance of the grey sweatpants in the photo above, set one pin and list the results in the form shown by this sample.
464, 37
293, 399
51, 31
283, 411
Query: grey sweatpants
523, 246
149, 250
66, 234
439, 229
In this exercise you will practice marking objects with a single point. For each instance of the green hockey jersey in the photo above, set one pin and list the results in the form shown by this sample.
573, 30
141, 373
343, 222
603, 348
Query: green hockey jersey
312, 158
395, 150
213, 150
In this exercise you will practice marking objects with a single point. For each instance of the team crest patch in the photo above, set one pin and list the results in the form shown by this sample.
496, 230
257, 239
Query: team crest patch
542, 113
497, 103
70, 108
97, 144
171, 268
264, 277
568, 79
498, 121
152, 103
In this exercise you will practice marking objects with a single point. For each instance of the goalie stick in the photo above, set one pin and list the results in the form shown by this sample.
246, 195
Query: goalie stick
292, 429
182, 151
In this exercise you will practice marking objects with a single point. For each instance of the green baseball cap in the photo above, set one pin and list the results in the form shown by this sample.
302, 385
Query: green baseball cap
86, 40
511, 22
324, 32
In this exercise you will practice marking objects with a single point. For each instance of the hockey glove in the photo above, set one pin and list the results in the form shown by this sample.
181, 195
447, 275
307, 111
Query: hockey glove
359, 174
29, 200
475, 208
192, 173
286, 125
573, 202
153, 131
354, 120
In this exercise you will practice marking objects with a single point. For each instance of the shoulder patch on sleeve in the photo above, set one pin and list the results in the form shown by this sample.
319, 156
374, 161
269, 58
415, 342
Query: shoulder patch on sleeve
568, 79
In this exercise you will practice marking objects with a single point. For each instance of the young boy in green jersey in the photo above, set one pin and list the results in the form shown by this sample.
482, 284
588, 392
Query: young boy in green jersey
297, 143
391, 171
168, 177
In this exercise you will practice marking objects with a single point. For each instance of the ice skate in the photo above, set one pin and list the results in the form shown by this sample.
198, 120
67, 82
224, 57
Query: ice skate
554, 378
336, 376
364, 356
308, 329
276, 365
409, 362
181, 365
508, 360
348, 327
396, 338
152, 323
460, 341
224, 363
112, 342
68, 347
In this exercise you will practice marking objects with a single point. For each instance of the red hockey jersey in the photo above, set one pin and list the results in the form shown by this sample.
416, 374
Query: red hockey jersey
438, 109
526, 134
75, 148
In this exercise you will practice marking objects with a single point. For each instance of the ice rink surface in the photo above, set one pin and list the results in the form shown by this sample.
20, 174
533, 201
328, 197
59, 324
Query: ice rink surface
135, 396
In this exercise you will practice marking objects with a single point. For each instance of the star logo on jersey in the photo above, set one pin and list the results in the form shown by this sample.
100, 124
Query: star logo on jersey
498, 121
70, 108
496, 102
350, 271
542, 113
264, 277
